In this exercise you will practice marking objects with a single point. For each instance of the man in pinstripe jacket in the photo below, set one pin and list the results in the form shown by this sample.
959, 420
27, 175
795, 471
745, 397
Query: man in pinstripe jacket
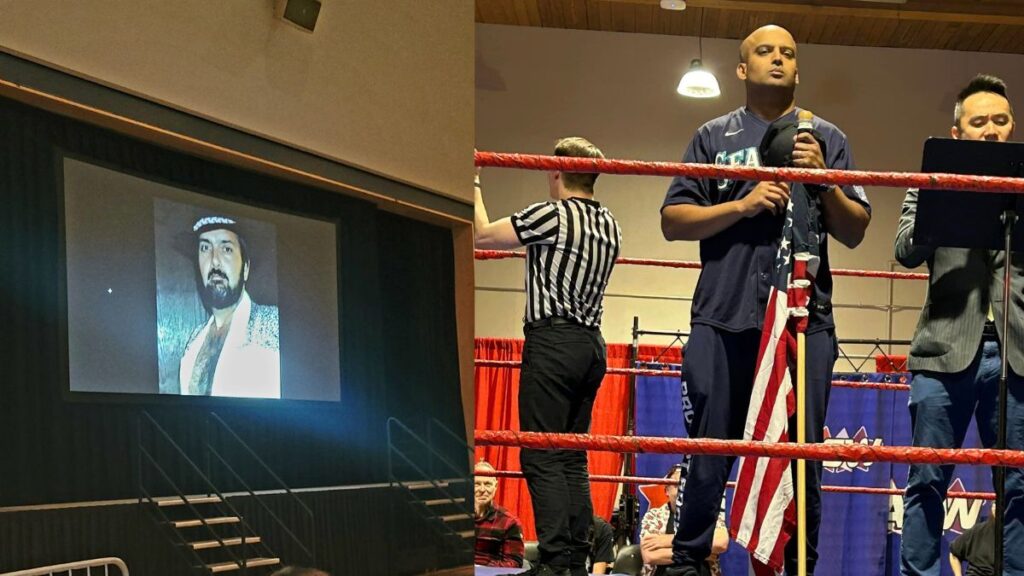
955, 354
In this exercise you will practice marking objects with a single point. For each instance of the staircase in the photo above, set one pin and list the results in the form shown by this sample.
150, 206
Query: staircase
452, 512
218, 538
433, 486
207, 528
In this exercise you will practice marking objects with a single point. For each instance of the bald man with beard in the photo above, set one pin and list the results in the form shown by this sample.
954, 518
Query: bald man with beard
738, 225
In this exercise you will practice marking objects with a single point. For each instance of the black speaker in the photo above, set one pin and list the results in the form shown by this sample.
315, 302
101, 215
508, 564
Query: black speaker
302, 13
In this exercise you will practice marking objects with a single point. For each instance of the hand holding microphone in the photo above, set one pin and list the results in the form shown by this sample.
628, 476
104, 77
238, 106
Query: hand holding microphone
806, 150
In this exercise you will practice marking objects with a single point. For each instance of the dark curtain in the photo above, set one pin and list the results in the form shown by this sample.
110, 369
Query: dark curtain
44, 538
418, 288
396, 315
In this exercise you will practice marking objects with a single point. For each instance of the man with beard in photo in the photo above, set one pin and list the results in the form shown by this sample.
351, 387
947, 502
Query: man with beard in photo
236, 352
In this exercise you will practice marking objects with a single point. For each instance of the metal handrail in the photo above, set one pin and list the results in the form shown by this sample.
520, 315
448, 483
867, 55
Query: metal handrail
424, 443
145, 496
435, 452
422, 510
261, 462
426, 515
420, 471
209, 484
266, 467
460, 440
87, 565
164, 519
178, 492
296, 539
394, 479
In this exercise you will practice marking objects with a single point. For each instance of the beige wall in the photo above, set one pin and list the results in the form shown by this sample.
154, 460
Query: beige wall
534, 85
382, 85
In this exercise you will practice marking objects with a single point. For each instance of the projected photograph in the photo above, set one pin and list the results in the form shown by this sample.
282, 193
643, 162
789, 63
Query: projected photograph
176, 293
216, 298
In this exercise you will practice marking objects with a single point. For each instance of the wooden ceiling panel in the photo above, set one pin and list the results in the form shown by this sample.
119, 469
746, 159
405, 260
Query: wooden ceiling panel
966, 35
981, 33
623, 17
803, 26
709, 24
532, 11
1003, 35
754, 20
876, 31
927, 35
493, 11
987, 41
906, 32
598, 15
576, 14
947, 37
645, 19
550, 13
965, 25
838, 30
1018, 38
691, 22
823, 30
667, 23
940, 35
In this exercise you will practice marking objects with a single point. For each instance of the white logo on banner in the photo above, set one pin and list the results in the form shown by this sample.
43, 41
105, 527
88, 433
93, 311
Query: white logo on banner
961, 513
843, 437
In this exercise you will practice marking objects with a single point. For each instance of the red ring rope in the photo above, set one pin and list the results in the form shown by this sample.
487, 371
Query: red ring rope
593, 477
936, 181
649, 372
844, 452
670, 482
870, 385
502, 254
628, 371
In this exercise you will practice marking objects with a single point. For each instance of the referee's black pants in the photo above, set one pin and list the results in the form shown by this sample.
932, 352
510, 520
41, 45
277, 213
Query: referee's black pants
562, 368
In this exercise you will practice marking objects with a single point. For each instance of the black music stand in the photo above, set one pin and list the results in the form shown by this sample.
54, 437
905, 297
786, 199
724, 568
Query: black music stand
951, 218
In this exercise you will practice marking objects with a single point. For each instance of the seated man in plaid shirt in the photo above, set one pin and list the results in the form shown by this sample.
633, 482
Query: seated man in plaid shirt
499, 535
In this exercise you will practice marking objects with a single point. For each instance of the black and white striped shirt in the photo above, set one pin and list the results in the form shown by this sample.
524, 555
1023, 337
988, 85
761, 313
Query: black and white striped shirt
571, 247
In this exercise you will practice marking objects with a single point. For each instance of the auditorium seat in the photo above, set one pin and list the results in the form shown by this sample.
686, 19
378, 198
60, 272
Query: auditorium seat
628, 561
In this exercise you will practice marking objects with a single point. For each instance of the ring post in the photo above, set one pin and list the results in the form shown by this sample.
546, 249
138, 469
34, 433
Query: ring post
801, 464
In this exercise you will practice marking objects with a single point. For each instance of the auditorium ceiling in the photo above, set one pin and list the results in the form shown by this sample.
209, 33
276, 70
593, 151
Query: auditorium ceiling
966, 25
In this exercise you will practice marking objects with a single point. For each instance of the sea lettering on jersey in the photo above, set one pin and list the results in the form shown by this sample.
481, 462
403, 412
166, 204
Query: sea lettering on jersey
746, 157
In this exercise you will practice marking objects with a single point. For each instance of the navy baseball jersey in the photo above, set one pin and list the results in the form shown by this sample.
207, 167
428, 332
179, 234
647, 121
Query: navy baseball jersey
732, 291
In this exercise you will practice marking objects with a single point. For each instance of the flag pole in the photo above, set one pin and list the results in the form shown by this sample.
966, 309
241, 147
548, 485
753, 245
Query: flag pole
801, 464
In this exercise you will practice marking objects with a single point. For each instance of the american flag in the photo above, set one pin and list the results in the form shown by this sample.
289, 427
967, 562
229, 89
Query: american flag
763, 515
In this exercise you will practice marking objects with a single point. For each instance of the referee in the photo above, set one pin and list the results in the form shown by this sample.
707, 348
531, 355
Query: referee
571, 246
